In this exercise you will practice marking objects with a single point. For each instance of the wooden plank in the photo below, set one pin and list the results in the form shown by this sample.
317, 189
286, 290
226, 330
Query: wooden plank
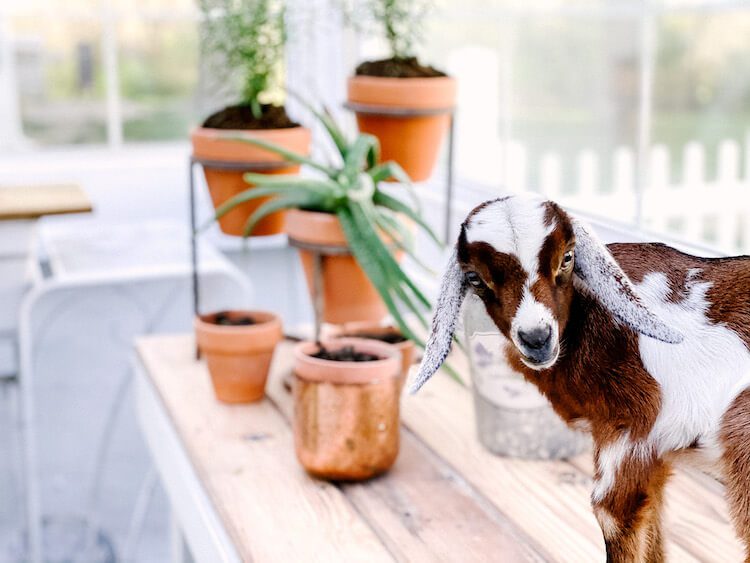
421, 509
31, 202
549, 501
245, 457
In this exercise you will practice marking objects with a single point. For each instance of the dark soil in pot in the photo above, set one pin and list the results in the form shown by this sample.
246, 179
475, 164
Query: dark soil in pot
242, 117
224, 318
394, 67
387, 337
345, 354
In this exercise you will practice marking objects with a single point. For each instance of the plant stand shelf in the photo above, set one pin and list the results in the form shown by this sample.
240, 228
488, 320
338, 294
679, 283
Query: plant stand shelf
318, 252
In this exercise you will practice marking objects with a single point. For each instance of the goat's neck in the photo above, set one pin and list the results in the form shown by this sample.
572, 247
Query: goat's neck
599, 377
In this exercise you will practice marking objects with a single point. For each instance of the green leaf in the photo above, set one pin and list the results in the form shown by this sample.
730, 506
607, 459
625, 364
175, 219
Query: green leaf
388, 229
392, 272
385, 200
362, 217
391, 218
326, 119
324, 187
289, 202
391, 169
365, 258
249, 195
358, 154
367, 261
284, 153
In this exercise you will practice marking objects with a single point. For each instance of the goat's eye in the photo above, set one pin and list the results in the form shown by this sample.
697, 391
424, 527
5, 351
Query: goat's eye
567, 260
474, 279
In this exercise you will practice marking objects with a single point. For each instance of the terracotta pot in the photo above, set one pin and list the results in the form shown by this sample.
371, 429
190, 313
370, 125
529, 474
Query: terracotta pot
238, 357
211, 144
348, 294
346, 414
373, 330
413, 142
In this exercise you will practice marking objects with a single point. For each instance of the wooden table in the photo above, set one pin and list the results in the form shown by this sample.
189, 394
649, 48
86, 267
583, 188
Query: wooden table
32, 202
238, 492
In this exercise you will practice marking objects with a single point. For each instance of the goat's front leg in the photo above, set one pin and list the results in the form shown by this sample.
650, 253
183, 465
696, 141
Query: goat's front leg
627, 502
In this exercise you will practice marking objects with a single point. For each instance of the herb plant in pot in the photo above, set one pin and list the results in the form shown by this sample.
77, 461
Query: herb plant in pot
403, 103
248, 36
239, 347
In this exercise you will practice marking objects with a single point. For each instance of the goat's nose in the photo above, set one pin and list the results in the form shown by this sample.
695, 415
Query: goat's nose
537, 338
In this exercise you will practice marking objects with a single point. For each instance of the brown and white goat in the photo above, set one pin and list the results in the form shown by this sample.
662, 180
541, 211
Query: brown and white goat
645, 346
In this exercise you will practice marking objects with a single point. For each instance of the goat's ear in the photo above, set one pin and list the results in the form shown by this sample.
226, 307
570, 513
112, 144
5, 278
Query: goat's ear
600, 273
452, 293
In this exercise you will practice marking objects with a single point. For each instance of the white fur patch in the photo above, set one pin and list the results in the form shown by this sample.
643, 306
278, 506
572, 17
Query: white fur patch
514, 225
611, 458
532, 314
699, 377
608, 524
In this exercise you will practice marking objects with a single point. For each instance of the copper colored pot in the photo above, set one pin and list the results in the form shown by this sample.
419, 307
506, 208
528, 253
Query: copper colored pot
374, 330
346, 414
348, 294
412, 141
239, 357
213, 145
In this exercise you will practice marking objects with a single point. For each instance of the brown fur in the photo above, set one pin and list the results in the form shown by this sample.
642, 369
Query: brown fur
636, 506
735, 437
599, 377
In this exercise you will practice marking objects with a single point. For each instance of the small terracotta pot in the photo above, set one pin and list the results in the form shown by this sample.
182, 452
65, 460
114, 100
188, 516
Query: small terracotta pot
212, 144
368, 330
238, 357
348, 294
413, 142
346, 414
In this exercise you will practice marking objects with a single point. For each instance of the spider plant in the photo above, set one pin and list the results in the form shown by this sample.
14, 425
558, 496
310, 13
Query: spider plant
351, 188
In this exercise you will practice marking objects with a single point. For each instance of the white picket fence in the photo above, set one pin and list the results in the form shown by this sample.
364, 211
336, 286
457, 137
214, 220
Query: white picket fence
711, 209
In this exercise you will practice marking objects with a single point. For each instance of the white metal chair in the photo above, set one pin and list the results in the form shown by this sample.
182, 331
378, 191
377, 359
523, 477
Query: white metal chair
84, 259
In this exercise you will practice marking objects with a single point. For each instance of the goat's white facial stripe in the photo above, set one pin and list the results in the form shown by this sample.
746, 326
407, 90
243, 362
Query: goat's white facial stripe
530, 315
513, 226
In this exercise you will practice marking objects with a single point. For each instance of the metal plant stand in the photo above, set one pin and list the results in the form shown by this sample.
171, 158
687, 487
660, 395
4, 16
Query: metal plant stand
405, 113
318, 251
229, 166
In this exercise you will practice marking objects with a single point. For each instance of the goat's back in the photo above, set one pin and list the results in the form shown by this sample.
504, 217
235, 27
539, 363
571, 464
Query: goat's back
727, 294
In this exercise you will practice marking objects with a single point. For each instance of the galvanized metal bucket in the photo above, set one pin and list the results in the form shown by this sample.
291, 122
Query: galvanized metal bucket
513, 418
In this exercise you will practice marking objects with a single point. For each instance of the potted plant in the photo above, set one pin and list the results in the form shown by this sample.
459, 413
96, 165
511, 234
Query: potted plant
404, 103
347, 390
384, 332
247, 37
346, 209
239, 347
346, 408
